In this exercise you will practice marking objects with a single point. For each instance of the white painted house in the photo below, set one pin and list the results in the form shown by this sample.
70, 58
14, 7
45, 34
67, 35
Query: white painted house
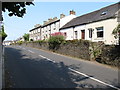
35, 33
50, 26
95, 26
7, 42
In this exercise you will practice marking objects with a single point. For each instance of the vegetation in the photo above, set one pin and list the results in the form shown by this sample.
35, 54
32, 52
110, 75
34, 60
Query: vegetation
3, 35
26, 37
55, 41
39, 41
15, 8
19, 42
116, 32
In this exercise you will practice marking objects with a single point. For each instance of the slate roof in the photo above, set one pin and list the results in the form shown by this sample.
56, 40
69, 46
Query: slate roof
45, 25
51, 22
34, 28
101, 14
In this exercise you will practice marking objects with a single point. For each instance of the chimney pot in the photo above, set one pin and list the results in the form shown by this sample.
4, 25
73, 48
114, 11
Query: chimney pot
72, 12
62, 16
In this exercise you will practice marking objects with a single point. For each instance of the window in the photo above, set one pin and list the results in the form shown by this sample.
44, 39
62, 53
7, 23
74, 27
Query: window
39, 30
65, 34
103, 13
99, 32
75, 34
90, 32
54, 26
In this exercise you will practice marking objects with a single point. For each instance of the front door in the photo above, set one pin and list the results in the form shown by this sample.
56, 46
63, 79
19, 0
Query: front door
82, 34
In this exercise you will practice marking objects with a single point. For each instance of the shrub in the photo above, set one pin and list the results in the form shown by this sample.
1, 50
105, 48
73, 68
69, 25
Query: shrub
55, 41
39, 41
19, 42
26, 37
3, 35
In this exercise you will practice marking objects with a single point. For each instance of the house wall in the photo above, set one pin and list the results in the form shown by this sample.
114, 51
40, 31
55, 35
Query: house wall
49, 29
35, 34
108, 26
69, 33
55, 27
78, 29
44, 32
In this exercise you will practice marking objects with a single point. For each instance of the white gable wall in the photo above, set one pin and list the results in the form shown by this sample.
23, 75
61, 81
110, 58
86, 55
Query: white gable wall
69, 33
78, 29
66, 19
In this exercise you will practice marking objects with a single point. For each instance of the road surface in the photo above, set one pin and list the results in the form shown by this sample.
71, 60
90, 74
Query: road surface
33, 68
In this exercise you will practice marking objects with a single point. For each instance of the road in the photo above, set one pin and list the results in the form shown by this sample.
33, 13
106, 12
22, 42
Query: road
34, 68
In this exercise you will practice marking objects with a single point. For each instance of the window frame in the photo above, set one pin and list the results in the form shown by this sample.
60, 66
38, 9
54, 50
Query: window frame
90, 32
76, 34
99, 31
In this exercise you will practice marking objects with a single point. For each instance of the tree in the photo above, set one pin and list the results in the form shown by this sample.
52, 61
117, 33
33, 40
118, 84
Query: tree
3, 35
15, 8
116, 32
26, 37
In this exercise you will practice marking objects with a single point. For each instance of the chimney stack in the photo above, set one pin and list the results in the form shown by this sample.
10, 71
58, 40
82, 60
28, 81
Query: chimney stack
50, 19
45, 22
55, 18
37, 25
62, 16
72, 12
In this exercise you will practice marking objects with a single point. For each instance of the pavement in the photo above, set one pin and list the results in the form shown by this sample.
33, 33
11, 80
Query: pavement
33, 68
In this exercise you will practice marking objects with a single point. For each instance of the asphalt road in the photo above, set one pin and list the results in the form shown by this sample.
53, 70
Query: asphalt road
34, 68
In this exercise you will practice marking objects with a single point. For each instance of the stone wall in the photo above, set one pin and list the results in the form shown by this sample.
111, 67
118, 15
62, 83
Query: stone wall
110, 55
76, 49
100, 52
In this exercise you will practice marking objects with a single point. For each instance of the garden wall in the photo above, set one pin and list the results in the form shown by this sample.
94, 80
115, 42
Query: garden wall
85, 50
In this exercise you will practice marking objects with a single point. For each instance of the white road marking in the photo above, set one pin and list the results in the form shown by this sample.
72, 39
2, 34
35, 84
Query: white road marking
94, 79
80, 72
30, 51
42, 56
47, 58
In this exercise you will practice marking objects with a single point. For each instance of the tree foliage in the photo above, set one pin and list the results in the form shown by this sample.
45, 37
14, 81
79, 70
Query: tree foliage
3, 34
15, 8
26, 37
55, 41
116, 32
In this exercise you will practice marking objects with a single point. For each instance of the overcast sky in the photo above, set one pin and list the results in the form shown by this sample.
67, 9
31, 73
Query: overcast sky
16, 27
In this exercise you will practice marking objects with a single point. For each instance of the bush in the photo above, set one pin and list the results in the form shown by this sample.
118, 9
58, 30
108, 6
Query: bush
55, 41
19, 42
26, 37
39, 41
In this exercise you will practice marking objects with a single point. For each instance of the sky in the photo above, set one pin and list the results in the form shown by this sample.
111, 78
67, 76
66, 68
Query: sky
16, 27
